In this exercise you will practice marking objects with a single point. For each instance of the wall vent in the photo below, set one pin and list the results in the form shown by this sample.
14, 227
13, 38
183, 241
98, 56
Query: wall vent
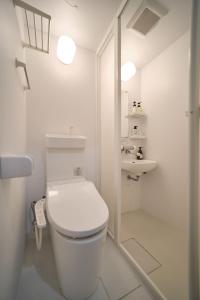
147, 16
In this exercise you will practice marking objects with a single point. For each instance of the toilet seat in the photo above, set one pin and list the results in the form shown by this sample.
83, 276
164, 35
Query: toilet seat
75, 209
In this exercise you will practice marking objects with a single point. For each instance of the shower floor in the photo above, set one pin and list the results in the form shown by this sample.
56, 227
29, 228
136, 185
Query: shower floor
160, 249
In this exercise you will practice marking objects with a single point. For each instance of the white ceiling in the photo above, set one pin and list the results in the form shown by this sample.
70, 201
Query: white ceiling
142, 50
86, 24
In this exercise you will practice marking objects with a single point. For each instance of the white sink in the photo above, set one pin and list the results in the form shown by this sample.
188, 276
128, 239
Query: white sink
138, 166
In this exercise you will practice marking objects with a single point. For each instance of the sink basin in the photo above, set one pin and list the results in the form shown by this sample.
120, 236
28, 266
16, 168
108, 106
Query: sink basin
138, 166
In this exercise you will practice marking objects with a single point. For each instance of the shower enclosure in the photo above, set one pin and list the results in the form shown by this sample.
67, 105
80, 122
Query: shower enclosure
153, 216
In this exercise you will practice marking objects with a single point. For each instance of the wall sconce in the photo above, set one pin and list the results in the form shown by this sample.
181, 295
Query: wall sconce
128, 71
66, 49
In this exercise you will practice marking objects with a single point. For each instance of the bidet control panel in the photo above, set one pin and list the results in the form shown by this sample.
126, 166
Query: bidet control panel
39, 214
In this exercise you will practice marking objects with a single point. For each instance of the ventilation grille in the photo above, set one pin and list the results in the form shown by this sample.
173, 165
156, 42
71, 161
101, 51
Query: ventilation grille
146, 21
147, 16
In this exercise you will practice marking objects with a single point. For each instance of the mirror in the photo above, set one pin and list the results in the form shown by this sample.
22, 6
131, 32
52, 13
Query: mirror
124, 114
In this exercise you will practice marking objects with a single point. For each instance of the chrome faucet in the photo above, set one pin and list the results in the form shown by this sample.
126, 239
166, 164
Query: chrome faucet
128, 149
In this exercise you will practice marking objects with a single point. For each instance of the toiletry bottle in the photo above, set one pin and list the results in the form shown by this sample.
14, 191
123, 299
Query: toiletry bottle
135, 130
139, 108
139, 154
134, 108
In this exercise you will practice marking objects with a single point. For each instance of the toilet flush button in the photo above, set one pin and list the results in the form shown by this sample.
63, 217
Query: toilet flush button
78, 171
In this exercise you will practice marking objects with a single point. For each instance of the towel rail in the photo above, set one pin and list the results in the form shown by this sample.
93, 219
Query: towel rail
20, 64
32, 26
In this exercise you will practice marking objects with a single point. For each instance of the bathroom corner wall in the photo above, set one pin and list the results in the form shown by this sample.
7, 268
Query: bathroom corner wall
61, 96
12, 140
165, 94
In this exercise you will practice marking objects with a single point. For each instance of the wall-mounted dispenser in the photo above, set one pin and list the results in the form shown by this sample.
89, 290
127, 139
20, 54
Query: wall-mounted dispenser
12, 166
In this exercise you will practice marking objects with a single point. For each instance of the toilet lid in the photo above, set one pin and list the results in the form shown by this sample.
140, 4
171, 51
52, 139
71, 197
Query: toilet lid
76, 209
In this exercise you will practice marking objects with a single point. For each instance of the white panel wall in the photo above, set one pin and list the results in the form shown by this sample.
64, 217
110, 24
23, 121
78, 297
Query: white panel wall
12, 140
61, 96
131, 191
107, 115
164, 89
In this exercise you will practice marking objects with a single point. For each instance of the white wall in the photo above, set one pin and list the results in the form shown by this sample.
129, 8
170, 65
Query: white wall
164, 90
61, 95
12, 140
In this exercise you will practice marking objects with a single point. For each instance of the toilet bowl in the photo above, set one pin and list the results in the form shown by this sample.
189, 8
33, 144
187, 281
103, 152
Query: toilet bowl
77, 215
78, 219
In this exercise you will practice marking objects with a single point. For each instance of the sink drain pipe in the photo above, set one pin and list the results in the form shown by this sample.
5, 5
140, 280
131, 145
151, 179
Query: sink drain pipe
136, 178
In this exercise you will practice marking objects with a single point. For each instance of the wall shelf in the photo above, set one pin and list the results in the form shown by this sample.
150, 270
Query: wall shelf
136, 115
137, 137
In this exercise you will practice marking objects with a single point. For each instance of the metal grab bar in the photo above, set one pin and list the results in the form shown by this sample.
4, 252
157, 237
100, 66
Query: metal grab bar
20, 64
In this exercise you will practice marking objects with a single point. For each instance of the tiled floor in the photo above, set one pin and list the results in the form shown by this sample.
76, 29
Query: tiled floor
166, 244
39, 281
141, 255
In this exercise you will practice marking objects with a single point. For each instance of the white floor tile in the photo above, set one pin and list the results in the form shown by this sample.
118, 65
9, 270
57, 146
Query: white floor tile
33, 287
118, 276
43, 262
39, 279
139, 294
144, 258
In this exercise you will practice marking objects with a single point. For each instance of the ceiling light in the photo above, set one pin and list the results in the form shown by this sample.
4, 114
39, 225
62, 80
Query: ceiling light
128, 71
66, 49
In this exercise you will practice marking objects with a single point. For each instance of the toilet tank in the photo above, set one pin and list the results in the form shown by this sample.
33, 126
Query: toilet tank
64, 156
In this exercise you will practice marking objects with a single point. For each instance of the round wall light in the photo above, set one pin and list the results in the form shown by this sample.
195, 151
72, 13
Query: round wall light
128, 71
66, 49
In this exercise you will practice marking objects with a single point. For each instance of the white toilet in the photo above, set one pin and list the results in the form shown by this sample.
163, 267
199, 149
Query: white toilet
78, 217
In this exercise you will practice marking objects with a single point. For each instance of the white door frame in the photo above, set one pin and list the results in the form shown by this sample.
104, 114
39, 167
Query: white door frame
194, 201
114, 31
